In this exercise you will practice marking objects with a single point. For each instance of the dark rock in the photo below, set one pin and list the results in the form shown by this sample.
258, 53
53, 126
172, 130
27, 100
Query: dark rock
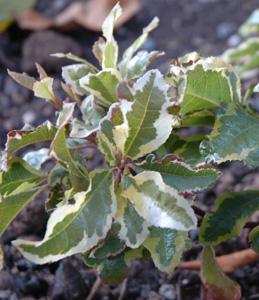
39, 45
168, 291
24, 264
5, 295
69, 284
35, 287
6, 280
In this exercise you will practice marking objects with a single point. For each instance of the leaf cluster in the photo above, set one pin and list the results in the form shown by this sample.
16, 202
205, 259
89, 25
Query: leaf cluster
141, 204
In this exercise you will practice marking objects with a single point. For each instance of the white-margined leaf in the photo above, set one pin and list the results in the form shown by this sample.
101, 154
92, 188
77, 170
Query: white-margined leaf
76, 228
158, 203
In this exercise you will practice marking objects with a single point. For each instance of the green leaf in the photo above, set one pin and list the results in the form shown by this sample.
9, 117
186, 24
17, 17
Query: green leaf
180, 175
98, 50
158, 203
147, 123
9, 8
188, 148
233, 210
59, 151
116, 270
166, 247
55, 198
102, 86
244, 50
139, 63
18, 139
107, 149
19, 177
234, 137
92, 115
44, 89
111, 48
133, 228
252, 89
36, 158
76, 58
215, 284
23, 79
72, 75
127, 55
254, 239
251, 25
59, 175
109, 248
213, 88
245, 57
199, 118
13, 204
78, 227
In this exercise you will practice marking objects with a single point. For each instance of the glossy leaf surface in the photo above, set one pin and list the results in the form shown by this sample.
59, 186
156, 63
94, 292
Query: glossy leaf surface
20, 177
234, 137
147, 124
158, 203
166, 247
233, 210
179, 174
76, 228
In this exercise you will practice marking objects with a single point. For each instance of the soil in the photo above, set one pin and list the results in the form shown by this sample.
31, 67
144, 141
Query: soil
206, 26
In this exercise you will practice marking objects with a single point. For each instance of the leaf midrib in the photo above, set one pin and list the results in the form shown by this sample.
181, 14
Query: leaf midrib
223, 221
79, 211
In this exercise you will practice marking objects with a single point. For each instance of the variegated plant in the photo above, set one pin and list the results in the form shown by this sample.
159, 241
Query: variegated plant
141, 203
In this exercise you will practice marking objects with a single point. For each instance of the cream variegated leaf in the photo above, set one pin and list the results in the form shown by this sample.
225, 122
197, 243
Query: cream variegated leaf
166, 247
92, 114
19, 177
18, 139
133, 228
110, 55
147, 123
102, 86
139, 63
180, 175
107, 148
60, 152
127, 55
234, 137
72, 75
204, 84
158, 203
76, 228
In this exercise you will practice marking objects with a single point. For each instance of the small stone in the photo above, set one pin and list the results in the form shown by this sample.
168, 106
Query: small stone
150, 45
69, 284
145, 290
29, 117
234, 40
155, 296
6, 280
24, 264
167, 291
13, 297
35, 287
5, 294
224, 30
185, 282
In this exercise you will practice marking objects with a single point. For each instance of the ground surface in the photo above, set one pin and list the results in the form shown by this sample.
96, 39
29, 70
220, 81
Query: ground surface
206, 26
